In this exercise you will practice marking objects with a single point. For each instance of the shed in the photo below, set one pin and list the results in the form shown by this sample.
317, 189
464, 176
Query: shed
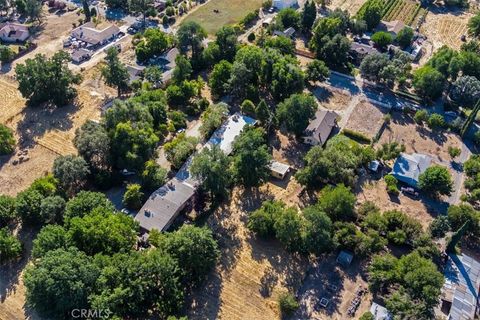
408, 167
279, 170
345, 258
380, 312
80, 55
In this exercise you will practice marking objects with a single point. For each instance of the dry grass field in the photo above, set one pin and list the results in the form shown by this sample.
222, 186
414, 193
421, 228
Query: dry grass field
352, 6
229, 12
366, 118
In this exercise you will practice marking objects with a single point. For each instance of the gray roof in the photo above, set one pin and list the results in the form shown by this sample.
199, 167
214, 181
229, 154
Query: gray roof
164, 205
391, 26
321, 126
279, 167
345, 258
462, 281
88, 33
135, 72
79, 54
362, 49
169, 58
408, 167
380, 312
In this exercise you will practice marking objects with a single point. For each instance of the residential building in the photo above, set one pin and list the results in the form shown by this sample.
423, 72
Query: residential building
460, 292
380, 312
408, 167
320, 127
358, 51
164, 205
13, 32
93, 37
80, 55
279, 170
392, 27
135, 73
167, 62
288, 33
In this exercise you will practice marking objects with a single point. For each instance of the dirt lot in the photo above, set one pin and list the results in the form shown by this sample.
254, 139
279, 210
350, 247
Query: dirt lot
229, 12
366, 118
352, 6
332, 98
419, 139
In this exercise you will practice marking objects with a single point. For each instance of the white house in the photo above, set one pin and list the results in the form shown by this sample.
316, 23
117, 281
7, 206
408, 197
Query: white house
283, 4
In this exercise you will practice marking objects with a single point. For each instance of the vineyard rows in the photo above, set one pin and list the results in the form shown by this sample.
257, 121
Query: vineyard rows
403, 10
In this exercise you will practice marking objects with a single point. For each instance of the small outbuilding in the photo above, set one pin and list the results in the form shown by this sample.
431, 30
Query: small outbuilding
344, 258
13, 32
279, 170
409, 167
392, 27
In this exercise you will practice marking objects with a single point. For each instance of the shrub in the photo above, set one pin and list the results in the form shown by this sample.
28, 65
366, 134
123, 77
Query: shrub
421, 116
287, 303
357, 136
436, 121
7, 141
10, 246
251, 37
133, 197
391, 182
454, 151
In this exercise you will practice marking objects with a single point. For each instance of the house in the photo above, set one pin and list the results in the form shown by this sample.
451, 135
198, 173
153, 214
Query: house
344, 258
13, 32
288, 33
460, 292
134, 73
80, 55
165, 204
320, 127
380, 312
167, 63
392, 27
93, 37
283, 4
408, 167
279, 170
358, 51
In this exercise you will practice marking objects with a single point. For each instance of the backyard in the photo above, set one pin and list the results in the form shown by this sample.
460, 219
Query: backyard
226, 12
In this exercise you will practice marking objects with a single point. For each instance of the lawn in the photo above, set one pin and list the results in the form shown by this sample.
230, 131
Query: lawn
229, 12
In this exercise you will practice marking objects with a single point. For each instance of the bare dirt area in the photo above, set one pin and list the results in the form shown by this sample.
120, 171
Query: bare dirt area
326, 279
445, 27
419, 139
352, 6
332, 98
366, 118
251, 272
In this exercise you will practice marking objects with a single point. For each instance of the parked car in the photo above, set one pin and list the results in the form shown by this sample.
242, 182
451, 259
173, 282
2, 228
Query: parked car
409, 191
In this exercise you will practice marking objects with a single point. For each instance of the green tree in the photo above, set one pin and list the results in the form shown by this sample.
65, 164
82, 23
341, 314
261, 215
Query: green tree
153, 176
436, 180
421, 116
133, 197
439, 226
179, 149
251, 159
212, 118
194, 249
428, 82
103, 231
33, 10
141, 6
227, 41
454, 151
287, 303
317, 230
115, 72
458, 215
288, 230
6, 54
287, 78
287, 18
264, 114
93, 144
382, 39
28, 206
281, 43
248, 107
338, 203
317, 71
71, 173
309, 15
220, 77
7, 140
465, 91
211, 166
474, 25
183, 69
190, 36
39, 73
10, 246
52, 208
7, 210
51, 237
84, 203
296, 111
60, 282
436, 121
404, 37
262, 220
154, 42
371, 13
127, 288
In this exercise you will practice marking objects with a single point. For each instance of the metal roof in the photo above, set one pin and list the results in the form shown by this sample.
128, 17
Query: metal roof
408, 167
279, 167
462, 277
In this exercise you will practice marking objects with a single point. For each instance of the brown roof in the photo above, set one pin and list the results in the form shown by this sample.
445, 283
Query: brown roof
14, 31
88, 33
391, 26
321, 126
